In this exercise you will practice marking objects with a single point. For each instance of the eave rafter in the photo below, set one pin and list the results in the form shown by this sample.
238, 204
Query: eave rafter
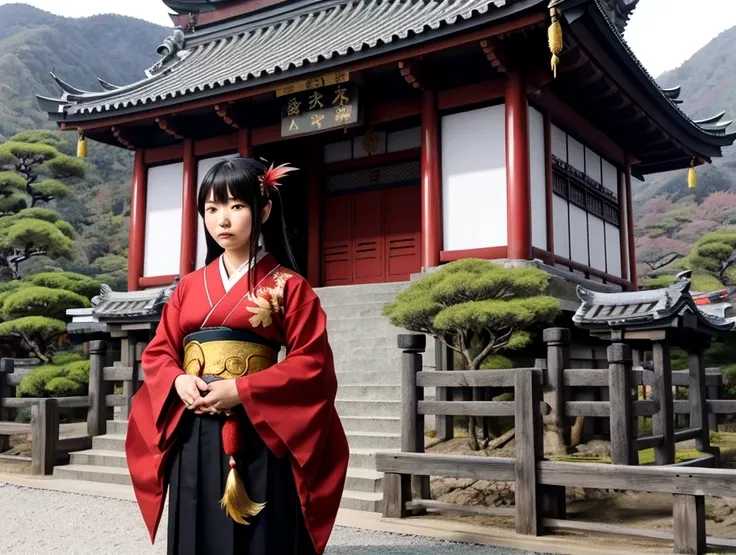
413, 73
117, 133
170, 127
228, 113
493, 55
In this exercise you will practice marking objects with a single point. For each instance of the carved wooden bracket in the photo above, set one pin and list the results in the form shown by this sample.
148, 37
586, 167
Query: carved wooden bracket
491, 51
226, 113
167, 126
116, 132
412, 73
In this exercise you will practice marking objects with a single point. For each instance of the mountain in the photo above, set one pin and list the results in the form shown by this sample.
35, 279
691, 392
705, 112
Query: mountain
78, 51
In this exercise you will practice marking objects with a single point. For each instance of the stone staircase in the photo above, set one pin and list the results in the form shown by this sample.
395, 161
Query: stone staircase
368, 398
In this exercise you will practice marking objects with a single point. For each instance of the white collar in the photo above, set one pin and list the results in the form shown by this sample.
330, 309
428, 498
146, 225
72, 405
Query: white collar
229, 281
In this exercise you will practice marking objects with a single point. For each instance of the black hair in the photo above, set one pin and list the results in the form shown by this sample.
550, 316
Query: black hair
239, 178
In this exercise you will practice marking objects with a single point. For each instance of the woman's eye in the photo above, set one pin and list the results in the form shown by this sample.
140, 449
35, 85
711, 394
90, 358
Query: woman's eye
211, 210
237, 206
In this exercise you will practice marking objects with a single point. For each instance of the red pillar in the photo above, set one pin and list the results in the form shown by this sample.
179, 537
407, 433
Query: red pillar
548, 191
630, 229
187, 258
431, 194
518, 180
314, 216
244, 147
137, 230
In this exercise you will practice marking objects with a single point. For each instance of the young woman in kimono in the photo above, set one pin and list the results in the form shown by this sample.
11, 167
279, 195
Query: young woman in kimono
251, 449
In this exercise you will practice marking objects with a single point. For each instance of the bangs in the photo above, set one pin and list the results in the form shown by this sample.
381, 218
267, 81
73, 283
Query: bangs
236, 178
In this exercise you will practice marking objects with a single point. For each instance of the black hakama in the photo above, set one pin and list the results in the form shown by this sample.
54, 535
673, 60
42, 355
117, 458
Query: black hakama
197, 525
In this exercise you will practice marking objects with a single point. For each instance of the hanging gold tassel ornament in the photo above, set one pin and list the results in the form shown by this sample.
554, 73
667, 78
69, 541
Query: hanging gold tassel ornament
235, 501
81, 146
692, 177
554, 35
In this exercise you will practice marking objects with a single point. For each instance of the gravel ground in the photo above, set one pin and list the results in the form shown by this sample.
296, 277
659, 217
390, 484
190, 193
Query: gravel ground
40, 522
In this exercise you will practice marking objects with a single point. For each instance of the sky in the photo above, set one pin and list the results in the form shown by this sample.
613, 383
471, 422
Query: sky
662, 33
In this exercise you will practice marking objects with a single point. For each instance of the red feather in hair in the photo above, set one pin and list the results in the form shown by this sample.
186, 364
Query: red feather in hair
270, 179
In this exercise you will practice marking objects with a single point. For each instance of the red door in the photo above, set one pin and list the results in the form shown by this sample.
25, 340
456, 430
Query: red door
372, 237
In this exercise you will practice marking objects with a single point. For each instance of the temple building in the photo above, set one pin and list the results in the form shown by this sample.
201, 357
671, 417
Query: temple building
426, 131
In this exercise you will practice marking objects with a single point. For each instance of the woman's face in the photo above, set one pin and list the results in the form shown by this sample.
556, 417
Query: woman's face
231, 224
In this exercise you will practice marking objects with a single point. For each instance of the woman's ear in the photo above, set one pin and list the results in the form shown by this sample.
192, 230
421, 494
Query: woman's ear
266, 212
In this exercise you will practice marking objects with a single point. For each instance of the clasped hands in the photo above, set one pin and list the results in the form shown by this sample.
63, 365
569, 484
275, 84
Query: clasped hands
222, 395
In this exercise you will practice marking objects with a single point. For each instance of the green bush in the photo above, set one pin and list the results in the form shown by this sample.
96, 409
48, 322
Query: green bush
34, 383
64, 387
69, 379
60, 359
78, 371
497, 362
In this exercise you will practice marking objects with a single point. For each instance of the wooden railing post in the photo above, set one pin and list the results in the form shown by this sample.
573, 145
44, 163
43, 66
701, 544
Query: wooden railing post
622, 420
96, 416
689, 524
528, 424
412, 423
663, 422
558, 359
444, 356
44, 436
697, 399
7, 367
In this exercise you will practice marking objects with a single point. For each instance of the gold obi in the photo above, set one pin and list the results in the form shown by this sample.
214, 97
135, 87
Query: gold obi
224, 353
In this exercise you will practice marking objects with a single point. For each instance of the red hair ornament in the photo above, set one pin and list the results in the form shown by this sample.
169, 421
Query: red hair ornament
272, 176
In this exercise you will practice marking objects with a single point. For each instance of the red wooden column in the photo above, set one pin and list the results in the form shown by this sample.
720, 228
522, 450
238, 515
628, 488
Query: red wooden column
137, 230
548, 190
245, 148
518, 180
630, 228
431, 194
623, 224
187, 258
314, 215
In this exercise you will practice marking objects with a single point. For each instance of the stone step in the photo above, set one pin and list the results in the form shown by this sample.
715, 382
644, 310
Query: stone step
346, 309
376, 325
362, 501
109, 442
359, 407
94, 457
366, 458
350, 291
369, 392
332, 300
371, 424
364, 479
369, 440
117, 427
358, 344
105, 474
355, 375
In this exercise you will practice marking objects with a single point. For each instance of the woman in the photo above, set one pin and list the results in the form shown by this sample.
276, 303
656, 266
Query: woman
251, 449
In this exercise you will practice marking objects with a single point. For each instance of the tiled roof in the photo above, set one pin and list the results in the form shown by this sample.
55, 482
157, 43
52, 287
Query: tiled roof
112, 305
261, 49
644, 309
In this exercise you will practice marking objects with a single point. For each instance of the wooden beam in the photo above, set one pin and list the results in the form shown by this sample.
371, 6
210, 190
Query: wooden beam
224, 111
518, 178
137, 226
450, 466
490, 49
412, 72
122, 141
167, 125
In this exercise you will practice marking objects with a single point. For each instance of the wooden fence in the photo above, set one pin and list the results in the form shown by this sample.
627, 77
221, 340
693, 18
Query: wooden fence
100, 401
540, 484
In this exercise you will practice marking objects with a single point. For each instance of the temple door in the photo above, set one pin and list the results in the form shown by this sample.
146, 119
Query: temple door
337, 234
403, 215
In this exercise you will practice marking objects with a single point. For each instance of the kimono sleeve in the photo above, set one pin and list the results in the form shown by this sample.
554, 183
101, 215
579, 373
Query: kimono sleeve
292, 403
162, 358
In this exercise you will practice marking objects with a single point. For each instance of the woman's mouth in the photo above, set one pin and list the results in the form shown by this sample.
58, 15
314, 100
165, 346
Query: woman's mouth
224, 235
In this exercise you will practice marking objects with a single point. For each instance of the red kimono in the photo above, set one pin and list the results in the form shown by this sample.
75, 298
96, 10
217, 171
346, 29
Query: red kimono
290, 405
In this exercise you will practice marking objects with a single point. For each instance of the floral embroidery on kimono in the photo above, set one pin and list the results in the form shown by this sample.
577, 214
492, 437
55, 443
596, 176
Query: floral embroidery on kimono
268, 301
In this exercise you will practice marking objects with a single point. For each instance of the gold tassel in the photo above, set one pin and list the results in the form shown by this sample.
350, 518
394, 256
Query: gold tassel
692, 177
554, 35
81, 146
235, 501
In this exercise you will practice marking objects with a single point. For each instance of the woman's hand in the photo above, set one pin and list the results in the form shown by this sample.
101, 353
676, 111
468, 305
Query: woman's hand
188, 388
222, 395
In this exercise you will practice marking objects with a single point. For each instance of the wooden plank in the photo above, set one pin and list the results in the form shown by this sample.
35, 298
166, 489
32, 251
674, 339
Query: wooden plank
96, 415
16, 458
467, 408
600, 527
116, 400
117, 373
703, 462
465, 509
528, 424
721, 406
557, 428
74, 443
663, 421
469, 378
63, 402
45, 434
689, 524
648, 442
14, 428
585, 378
621, 410
645, 408
444, 361
685, 435
658, 479
396, 494
698, 402
449, 466
588, 408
